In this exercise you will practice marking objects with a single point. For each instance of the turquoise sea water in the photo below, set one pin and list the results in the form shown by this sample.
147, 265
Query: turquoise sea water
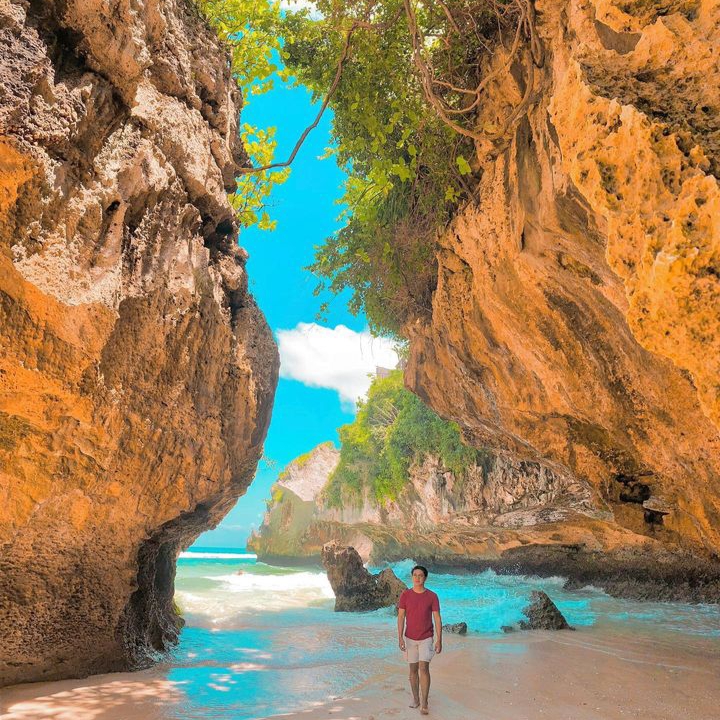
264, 640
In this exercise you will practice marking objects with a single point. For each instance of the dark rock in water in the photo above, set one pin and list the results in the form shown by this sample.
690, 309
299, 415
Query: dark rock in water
542, 614
507, 628
356, 589
457, 628
389, 587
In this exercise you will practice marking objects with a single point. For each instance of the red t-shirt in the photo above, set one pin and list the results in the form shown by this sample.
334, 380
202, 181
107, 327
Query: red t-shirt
419, 608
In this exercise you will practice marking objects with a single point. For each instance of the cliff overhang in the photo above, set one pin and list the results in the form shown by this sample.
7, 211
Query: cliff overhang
575, 318
137, 372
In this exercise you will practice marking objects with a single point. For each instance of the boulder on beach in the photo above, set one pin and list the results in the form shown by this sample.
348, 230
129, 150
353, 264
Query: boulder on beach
356, 589
542, 614
456, 628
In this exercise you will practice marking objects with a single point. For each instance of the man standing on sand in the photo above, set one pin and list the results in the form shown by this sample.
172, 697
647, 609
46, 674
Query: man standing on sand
418, 609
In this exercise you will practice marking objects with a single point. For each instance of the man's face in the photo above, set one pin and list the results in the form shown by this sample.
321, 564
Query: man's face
418, 577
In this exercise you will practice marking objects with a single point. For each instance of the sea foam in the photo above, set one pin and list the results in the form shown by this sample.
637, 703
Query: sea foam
247, 592
292, 582
189, 555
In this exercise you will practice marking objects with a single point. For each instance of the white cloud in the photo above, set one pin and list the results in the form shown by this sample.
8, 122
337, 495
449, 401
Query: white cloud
337, 358
296, 5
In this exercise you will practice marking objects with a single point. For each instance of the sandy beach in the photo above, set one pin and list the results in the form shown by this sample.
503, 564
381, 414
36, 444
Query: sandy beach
579, 675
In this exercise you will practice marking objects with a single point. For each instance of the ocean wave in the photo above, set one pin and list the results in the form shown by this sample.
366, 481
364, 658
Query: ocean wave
291, 582
246, 592
218, 555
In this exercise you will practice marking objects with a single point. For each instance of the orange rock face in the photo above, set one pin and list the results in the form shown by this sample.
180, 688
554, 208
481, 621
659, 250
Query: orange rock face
136, 372
576, 320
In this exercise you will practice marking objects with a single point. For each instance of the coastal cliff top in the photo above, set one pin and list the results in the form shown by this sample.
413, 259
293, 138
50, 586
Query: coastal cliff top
306, 475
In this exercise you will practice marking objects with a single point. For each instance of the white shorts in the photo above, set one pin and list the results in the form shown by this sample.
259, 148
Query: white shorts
417, 650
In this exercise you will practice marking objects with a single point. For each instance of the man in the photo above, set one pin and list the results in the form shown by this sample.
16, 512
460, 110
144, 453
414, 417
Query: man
418, 609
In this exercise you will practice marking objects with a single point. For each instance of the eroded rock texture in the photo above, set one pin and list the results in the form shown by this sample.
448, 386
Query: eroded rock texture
357, 590
289, 531
136, 372
577, 313
434, 515
542, 614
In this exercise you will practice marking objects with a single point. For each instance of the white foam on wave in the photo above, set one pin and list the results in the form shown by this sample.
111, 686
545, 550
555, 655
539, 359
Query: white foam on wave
247, 593
218, 555
291, 582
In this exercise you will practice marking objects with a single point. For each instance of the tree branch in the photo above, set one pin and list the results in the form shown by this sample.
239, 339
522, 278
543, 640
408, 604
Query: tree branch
356, 25
427, 79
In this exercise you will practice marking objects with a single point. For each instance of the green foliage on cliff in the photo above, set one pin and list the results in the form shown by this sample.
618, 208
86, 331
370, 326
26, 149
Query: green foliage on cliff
392, 430
251, 29
407, 170
302, 460
408, 79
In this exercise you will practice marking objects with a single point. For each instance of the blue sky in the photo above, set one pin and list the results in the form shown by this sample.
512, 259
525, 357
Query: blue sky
306, 210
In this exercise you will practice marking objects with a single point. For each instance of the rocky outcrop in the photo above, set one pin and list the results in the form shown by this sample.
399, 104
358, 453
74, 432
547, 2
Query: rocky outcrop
357, 590
575, 320
542, 614
499, 493
137, 372
287, 534
456, 628
508, 515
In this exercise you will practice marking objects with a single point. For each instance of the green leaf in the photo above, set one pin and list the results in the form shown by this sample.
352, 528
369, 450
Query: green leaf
463, 165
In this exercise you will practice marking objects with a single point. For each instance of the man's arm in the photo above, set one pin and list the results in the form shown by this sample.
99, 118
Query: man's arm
401, 628
437, 621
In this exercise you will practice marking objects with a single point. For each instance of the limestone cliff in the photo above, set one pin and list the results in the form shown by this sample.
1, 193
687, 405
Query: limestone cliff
506, 514
576, 318
287, 533
435, 516
137, 373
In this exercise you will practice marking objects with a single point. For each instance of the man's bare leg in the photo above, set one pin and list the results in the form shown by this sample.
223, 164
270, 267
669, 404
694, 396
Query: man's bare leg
414, 684
424, 672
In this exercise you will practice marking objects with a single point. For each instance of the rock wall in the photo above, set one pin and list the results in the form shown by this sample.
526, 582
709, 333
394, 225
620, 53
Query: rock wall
137, 373
452, 520
574, 329
576, 319
287, 533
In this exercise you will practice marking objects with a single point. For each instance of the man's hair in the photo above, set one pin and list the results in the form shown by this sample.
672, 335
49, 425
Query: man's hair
420, 567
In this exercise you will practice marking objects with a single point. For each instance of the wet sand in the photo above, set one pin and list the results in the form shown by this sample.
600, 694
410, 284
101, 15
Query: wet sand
560, 676
580, 675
